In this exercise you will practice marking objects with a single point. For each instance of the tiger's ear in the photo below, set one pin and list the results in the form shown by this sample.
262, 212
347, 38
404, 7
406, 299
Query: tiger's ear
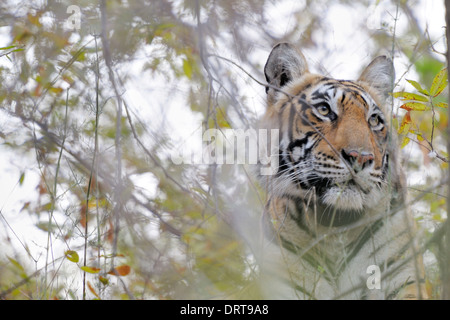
284, 64
380, 75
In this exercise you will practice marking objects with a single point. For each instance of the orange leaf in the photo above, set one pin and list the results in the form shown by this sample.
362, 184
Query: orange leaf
41, 188
38, 90
92, 290
406, 123
122, 270
83, 216
110, 232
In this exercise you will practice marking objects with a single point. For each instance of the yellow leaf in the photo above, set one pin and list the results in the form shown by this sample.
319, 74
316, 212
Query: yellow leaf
221, 119
418, 87
90, 269
415, 106
439, 83
405, 96
419, 137
404, 142
187, 68
72, 256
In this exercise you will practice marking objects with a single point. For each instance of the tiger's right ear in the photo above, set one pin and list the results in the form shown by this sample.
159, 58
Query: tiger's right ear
380, 75
285, 63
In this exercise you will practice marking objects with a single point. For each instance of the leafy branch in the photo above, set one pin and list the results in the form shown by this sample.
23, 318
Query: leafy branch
424, 100
10, 49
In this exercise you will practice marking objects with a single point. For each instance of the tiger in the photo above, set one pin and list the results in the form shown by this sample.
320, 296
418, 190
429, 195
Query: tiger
338, 221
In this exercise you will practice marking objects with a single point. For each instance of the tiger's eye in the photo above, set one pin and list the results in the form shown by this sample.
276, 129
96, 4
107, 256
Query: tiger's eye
323, 109
374, 120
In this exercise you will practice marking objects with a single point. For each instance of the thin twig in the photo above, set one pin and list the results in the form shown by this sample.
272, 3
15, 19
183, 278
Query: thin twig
445, 267
118, 208
93, 165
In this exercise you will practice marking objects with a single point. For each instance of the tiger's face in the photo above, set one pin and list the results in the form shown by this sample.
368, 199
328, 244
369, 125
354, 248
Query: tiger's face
334, 136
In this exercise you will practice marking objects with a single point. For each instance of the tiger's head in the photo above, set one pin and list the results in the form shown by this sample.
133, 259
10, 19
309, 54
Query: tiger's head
335, 148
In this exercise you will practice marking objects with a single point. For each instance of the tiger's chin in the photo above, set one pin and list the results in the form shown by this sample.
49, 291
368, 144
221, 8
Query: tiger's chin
348, 198
340, 206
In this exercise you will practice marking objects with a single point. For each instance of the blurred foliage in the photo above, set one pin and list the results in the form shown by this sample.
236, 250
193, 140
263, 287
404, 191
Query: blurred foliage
64, 93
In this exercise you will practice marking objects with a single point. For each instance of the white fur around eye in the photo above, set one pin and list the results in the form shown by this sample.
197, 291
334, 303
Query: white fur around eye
297, 153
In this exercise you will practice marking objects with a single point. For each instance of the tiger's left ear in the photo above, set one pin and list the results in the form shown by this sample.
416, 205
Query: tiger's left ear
380, 75
285, 64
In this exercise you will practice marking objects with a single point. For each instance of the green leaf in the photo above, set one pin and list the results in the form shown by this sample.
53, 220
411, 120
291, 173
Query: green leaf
46, 226
18, 266
418, 87
46, 207
442, 105
439, 83
103, 280
7, 48
415, 106
56, 90
90, 269
22, 177
72, 256
437, 217
409, 96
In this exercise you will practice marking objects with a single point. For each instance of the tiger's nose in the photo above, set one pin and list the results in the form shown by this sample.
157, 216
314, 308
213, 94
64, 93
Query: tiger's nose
358, 160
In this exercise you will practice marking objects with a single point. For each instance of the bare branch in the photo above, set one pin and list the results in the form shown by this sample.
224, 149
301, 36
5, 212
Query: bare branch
446, 242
